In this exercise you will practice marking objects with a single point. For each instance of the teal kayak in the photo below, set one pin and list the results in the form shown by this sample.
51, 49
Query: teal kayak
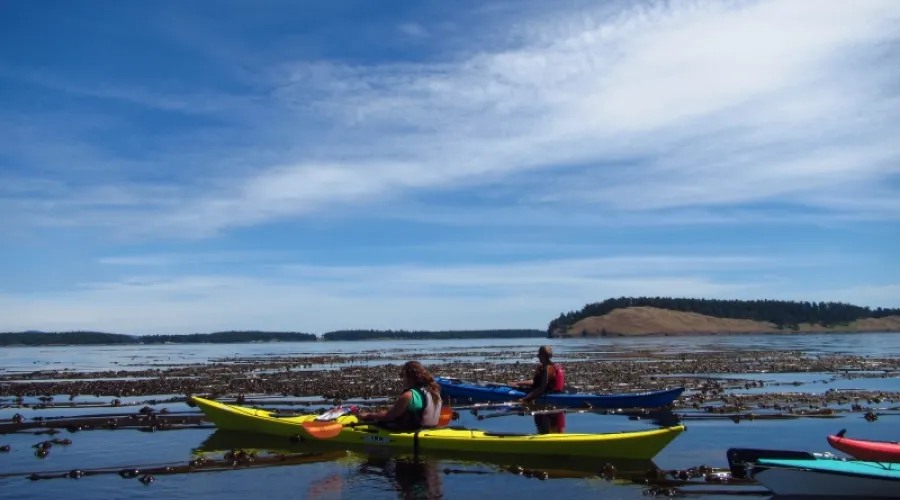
818, 475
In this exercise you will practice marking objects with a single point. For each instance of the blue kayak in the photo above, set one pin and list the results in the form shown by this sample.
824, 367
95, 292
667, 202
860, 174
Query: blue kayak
486, 391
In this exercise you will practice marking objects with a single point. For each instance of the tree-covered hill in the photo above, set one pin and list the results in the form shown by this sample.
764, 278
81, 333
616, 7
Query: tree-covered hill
784, 314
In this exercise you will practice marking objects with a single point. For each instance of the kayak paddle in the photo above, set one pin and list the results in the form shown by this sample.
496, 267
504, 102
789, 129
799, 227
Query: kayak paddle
487, 406
523, 413
328, 430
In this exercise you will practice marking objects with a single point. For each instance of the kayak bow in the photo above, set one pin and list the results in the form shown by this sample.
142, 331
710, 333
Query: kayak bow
864, 449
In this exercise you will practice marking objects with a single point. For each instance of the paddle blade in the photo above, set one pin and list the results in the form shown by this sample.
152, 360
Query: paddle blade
323, 430
446, 416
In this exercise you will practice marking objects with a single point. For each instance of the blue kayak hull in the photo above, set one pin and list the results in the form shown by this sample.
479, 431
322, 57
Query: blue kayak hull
457, 389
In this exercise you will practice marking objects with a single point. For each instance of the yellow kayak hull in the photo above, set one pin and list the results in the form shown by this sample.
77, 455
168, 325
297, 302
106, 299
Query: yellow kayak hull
636, 445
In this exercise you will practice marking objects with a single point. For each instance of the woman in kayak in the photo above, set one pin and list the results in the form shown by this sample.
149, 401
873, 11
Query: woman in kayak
419, 405
549, 378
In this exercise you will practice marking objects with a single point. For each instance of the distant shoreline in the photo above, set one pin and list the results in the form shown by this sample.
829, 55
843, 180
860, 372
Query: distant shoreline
617, 317
555, 338
49, 339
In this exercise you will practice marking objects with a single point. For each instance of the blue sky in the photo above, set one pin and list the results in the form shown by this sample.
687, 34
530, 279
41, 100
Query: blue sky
193, 166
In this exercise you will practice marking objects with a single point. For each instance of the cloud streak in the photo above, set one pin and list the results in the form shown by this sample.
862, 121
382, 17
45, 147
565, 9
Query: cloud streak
655, 106
518, 294
525, 294
651, 126
414, 30
178, 259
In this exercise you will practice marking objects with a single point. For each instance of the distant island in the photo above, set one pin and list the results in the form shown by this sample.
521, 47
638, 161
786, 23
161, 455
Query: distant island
35, 338
626, 316
431, 335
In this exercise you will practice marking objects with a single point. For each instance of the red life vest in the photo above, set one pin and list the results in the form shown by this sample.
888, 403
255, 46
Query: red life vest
559, 382
556, 377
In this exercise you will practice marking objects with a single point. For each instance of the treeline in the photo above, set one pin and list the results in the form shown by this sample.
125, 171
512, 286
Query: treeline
229, 337
430, 335
784, 314
238, 337
101, 338
79, 338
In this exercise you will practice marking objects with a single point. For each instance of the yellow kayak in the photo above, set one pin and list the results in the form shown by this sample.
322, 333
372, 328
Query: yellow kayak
637, 445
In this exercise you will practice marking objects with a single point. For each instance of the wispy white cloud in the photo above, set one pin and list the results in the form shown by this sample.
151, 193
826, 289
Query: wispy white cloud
414, 30
318, 298
189, 258
579, 276
722, 103
841, 209
524, 294
137, 260
658, 105
195, 102
538, 116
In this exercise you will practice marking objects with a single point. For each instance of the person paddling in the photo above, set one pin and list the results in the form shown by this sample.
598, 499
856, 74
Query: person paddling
419, 405
549, 378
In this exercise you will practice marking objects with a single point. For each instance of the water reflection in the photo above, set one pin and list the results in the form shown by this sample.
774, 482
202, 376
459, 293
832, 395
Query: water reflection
550, 423
331, 486
423, 476
554, 422
413, 478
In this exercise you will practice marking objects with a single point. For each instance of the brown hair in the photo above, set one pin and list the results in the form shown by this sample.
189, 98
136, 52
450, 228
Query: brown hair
546, 350
413, 370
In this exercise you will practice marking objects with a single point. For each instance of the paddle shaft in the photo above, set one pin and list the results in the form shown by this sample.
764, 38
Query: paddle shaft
529, 413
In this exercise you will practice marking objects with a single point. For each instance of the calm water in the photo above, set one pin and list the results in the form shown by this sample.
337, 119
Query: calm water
133, 358
341, 474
